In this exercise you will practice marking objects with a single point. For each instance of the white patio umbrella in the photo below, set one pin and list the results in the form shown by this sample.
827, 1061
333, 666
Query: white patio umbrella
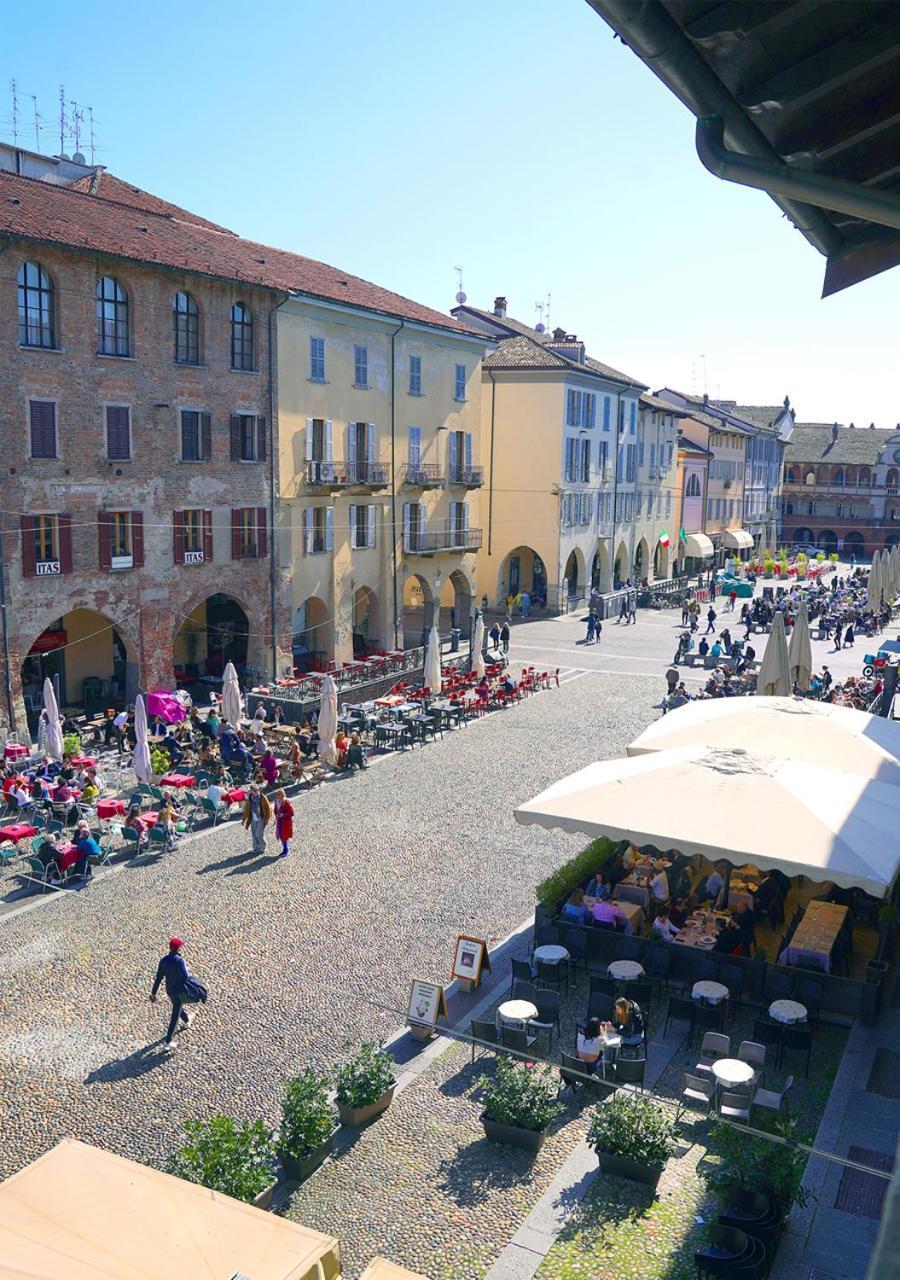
431, 677
894, 562
820, 733
477, 660
774, 679
328, 711
873, 586
143, 770
737, 807
231, 697
800, 651
54, 727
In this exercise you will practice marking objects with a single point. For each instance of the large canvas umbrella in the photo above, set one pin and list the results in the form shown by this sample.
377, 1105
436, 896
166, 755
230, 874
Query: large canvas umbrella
820, 733
328, 720
476, 663
774, 679
143, 769
894, 562
873, 586
231, 697
737, 807
432, 675
54, 727
800, 651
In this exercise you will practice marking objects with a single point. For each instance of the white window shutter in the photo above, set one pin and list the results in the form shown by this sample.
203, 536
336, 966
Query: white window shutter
422, 518
415, 447
468, 450
352, 525
309, 439
406, 522
465, 516
329, 528
329, 425
454, 450
351, 443
370, 524
308, 529
370, 443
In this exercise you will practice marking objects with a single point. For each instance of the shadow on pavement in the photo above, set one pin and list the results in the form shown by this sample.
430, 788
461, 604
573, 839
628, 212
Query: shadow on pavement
137, 1064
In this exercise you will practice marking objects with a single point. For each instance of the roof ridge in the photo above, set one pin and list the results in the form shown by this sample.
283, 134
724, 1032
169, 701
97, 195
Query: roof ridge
69, 189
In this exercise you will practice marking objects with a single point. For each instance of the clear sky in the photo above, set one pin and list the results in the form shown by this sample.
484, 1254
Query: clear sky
518, 139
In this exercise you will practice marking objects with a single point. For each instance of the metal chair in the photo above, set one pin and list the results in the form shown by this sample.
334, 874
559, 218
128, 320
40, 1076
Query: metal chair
681, 1009
656, 962
485, 1031
799, 1040
714, 1045
630, 1071
605, 985
699, 1089
732, 976
770, 1033
524, 991
573, 1073
642, 995
600, 1005
754, 1054
552, 975
770, 1099
707, 1017
735, 1105
547, 1004
515, 1038
521, 971
576, 945
810, 994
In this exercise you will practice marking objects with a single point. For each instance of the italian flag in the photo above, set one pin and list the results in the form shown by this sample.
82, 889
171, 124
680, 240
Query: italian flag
664, 538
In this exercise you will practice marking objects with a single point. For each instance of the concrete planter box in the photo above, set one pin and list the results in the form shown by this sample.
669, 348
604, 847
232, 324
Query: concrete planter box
264, 1199
635, 1170
356, 1116
511, 1135
299, 1168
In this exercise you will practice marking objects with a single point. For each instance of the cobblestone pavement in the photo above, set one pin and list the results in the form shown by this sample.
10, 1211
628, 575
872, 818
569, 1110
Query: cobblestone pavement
387, 868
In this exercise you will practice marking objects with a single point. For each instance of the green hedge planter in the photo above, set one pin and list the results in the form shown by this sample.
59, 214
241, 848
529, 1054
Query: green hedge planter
356, 1116
511, 1135
634, 1170
299, 1168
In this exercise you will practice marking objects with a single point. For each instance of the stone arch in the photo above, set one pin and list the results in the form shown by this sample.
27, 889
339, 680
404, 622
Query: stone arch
456, 603
641, 565
215, 630
368, 624
660, 561
600, 574
620, 564
854, 544
574, 574
418, 609
892, 540
837, 475
522, 569
890, 479
92, 658
312, 635
826, 540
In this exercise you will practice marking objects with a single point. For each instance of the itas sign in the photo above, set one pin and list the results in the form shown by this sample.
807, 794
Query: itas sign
47, 568
193, 557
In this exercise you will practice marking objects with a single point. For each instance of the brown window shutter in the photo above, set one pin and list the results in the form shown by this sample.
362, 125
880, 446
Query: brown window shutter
235, 423
207, 537
118, 435
28, 569
235, 533
262, 534
260, 439
137, 539
65, 543
178, 537
205, 436
43, 429
104, 522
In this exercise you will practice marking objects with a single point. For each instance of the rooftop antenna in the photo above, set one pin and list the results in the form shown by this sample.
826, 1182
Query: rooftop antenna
15, 113
693, 377
77, 124
705, 383
91, 127
460, 292
37, 123
548, 310
62, 119
539, 308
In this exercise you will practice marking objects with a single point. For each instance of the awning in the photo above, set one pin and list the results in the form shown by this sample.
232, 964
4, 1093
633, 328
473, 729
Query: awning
697, 544
740, 539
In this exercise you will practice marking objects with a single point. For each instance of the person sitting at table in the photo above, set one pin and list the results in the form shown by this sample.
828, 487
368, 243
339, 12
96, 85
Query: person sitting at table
663, 927
509, 684
65, 795
679, 911
259, 719
589, 1044
766, 897
715, 883
216, 793
308, 738
66, 771
22, 795
630, 859
744, 922
575, 909
38, 794
212, 725
165, 821
172, 749
629, 1022
132, 816
48, 853
597, 887
609, 915
269, 766
260, 746
483, 688
90, 792
356, 758
729, 940
87, 848
659, 886
228, 743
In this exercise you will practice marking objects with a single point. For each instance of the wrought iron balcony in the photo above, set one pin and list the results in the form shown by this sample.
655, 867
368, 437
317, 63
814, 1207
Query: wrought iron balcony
467, 477
422, 475
427, 542
347, 475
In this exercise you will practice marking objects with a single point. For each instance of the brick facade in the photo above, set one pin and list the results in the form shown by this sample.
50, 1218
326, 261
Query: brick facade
146, 604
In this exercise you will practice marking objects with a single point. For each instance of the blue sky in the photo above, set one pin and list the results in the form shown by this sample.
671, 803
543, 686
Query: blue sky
518, 139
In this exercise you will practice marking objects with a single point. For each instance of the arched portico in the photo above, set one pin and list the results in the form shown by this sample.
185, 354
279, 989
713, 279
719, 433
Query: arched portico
620, 565
641, 565
216, 631
522, 570
418, 609
91, 659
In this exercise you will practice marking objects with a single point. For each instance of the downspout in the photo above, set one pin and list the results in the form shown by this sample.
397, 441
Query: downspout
394, 488
273, 462
7, 675
490, 373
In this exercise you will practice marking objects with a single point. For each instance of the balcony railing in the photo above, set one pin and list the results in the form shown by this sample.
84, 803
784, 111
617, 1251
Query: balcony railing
422, 475
468, 477
426, 542
345, 475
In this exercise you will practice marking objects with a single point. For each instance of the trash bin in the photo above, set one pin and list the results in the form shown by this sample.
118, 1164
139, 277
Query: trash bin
455, 633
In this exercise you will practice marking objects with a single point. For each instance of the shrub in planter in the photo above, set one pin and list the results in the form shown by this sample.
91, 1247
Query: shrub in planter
561, 882
159, 761
520, 1102
236, 1159
72, 744
738, 1160
364, 1084
308, 1124
633, 1137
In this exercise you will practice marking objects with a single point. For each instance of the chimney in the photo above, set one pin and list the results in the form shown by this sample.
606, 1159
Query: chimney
834, 432
500, 307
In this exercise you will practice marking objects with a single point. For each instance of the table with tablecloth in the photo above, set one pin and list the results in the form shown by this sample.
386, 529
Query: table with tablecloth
84, 762
181, 781
630, 910
145, 821
630, 890
815, 935
234, 795
15, 751
17, 831
110, 808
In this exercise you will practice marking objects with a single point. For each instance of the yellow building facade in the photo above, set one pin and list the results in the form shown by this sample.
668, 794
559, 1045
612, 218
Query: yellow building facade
380, 477
723, 517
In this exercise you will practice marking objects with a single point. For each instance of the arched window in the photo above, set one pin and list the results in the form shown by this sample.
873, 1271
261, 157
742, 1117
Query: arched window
36, 318
241, 337
791, 476
112, 318
838, 476
186, 318
693, 486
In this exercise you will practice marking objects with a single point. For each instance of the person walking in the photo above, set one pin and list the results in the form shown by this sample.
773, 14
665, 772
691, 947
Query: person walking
591, 627
685, 613
632, 608
849, 637
284, 821
732, 600
181, 987
710, 620
494, 634
504, 637
257, 812
525, 604
598, 628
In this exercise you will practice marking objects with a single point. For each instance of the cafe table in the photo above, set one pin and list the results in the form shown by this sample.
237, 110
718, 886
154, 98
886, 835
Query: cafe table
15, 751
787, 1011
234, 795
732, 1071
84, 762
178, 781
815, 935
630, 910
712, 992
521, 1011
17, 831
625, 970
551, 953
110, 808
68, 855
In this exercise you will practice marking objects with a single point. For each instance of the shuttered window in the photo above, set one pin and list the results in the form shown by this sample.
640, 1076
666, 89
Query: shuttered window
360, 366
415, 375
459, 392
42, 423
46, 545
249, 533
196, 436
248, 437
118, 433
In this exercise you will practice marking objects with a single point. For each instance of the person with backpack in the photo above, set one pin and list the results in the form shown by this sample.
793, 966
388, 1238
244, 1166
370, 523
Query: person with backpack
181, 987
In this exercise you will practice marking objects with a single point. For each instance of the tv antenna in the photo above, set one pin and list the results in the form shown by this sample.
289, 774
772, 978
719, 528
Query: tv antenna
15, 113
460, 292
543, 311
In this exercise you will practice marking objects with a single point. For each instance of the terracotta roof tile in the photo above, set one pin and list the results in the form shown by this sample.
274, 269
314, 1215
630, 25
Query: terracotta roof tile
815, 442
523, 353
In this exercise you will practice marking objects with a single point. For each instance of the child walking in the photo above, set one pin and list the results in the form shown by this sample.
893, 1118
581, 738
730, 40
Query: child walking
284, 821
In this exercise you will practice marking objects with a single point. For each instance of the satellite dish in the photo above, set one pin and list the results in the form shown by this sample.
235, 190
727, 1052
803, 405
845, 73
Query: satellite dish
540, 327
460, 297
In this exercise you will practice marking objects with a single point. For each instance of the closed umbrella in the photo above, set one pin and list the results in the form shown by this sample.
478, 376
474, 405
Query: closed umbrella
774, 679
477, 662
328, 720
143, 769
894, 561
432, 676
231, 697
873, 586
54, 727
800, 651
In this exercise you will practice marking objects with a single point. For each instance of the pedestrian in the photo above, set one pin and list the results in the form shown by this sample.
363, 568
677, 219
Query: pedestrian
591, 627
598, 627
849, 636
632, 608
732, 600
710, 620
623, 610
671, 680
837, 636
525, 604
504, 637
120, 724
284, 821
181, 987
257, 812
494, 634
685, 613
826, 678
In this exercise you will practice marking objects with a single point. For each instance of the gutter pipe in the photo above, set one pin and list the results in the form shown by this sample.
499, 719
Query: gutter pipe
400, 326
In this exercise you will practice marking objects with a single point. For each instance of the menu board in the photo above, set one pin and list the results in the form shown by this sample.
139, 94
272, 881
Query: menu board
470, 957
427, 1003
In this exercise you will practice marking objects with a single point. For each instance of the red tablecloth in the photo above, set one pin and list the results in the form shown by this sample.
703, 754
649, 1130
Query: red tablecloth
68, 855
109, 808
146, 821
84, 762
234, 795
17, 831
14, 750
177, 780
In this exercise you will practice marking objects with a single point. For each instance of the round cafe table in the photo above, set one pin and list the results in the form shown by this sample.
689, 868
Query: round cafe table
551, 953
625, 970
732, 1071
516, 1011
714, 992
110, 808
787, 1011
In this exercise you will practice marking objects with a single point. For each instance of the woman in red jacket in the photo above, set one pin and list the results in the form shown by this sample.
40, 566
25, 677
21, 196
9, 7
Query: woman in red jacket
284, 821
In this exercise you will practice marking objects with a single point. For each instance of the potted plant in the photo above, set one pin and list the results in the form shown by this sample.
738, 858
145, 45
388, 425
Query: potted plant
633, 1137
308, 1124
224, 1155
738, 1161
519, 1105
365, 1084
71, 744
159, 762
